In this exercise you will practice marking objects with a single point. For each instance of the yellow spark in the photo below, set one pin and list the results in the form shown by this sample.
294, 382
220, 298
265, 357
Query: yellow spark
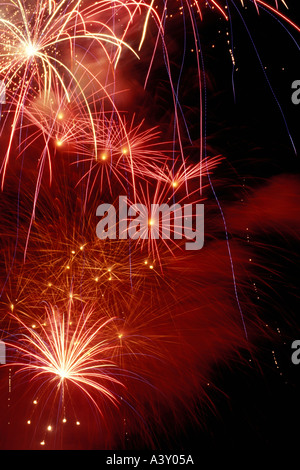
30, 50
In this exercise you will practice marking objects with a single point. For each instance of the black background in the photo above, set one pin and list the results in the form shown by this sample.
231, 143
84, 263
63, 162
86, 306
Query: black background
259, 405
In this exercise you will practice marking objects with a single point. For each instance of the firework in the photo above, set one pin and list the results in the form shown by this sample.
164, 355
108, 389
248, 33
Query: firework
124, 333
55, 349
40, 50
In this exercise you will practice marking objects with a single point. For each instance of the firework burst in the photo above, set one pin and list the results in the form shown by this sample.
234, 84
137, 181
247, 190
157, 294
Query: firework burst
132, 329
40, 45
59, 351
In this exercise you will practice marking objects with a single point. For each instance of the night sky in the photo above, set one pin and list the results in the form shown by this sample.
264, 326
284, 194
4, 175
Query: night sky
215, 388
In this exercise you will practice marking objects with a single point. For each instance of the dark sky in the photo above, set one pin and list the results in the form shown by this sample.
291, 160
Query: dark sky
258, 405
